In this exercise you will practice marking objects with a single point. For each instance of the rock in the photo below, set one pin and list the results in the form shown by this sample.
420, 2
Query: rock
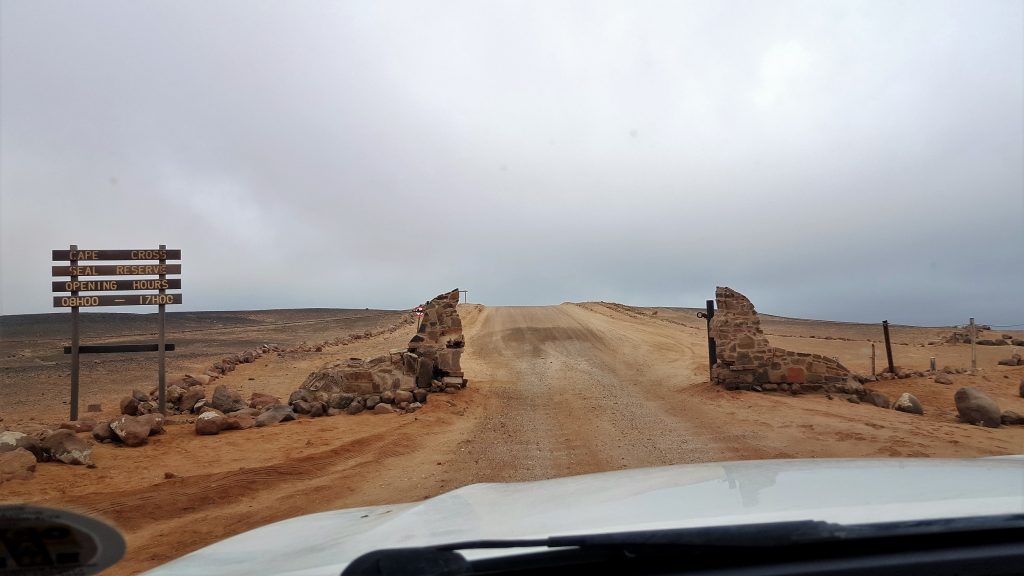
80, 425
129, 406
451, 382
878, 399
174, 393
140, 395
200, 379
147, 407
383, 408
302, 407
190, 398
451, 390
1017, 342
387, 397
17, 464
853, 399
404, 396
1011, 418
12, 440
975, 407
202, 408
335, 411
420, 395
66, 447
227, 400
1014, 360
210, 423
372, 401
340, 401
1021, 389
274, 414
260, 401
943, 379
414, 406
155, 422
424, 372
102, 432
301, 395
908, 403
317, 409
130, 430
355, 407
239, 422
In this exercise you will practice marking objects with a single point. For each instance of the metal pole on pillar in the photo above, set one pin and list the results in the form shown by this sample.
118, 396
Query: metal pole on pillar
162, 381
73, 262
888, 346
708, 314
873, 373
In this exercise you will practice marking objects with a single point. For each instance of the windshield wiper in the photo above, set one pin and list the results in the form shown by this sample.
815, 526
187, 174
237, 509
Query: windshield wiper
957, 545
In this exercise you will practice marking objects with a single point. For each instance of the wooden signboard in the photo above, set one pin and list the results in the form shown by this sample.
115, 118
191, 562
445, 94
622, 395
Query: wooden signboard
150, 262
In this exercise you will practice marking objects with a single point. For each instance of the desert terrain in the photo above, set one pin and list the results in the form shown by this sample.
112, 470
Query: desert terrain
553, 391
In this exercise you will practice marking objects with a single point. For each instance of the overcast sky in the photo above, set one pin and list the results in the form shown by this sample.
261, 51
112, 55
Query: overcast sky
835, 160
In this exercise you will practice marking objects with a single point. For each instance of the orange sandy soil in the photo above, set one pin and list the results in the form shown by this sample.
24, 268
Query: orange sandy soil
554, 391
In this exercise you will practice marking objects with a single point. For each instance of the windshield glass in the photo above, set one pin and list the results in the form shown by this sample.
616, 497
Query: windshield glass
313, 256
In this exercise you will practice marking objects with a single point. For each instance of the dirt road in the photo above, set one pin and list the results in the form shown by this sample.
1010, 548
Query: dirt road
554, 391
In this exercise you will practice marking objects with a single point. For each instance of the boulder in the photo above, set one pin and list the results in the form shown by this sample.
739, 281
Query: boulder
147, 407
200, 379
943, 379
975, 407
302, 406
155, 421
80, 425
130, 430
239, 422
63, 445
245, 412
274, 414
190, 398
260, 401
404, 396
1014, 360
317, 409
129, 406
414, 406
11, 441
227, 400
340, 401
141, 396
102, 432
420, 395
909, 404
210, 423
17, 464
1011, 418
383, 408
372, 401
424, 372
174, 394
355, 407
878, 399
387, 397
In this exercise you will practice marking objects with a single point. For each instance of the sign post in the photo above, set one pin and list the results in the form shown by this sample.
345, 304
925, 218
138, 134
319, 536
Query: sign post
709, 314
80, 265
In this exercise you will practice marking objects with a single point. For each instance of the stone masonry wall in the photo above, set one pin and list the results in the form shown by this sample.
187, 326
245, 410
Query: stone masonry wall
746, 360
405, 376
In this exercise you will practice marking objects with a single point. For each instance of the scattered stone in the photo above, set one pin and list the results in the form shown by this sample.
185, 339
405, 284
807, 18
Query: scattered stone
387, 397
17, 464
65, 446
174, 393
414, 406
372, 401
853, 399
210, 423
1011, 418
975, 407
943, 379
226, 400
420, 395
317, 409
239, 422
11, 441
260, 401
129, 406
80, 425
302, 407
169, 475
155, 422
140, 395
877, 399
404, 396
335, 411
274, 414
383, 408
130, 430
909, 404
102, 432
301, 395
451, 390
340, 401
146, 407
1014, 360
355, 407
190, 398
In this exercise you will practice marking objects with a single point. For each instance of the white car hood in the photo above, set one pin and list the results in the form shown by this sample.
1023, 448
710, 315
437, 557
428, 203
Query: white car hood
849, 491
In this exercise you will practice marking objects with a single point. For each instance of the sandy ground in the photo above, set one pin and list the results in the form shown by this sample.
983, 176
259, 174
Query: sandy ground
554, 391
